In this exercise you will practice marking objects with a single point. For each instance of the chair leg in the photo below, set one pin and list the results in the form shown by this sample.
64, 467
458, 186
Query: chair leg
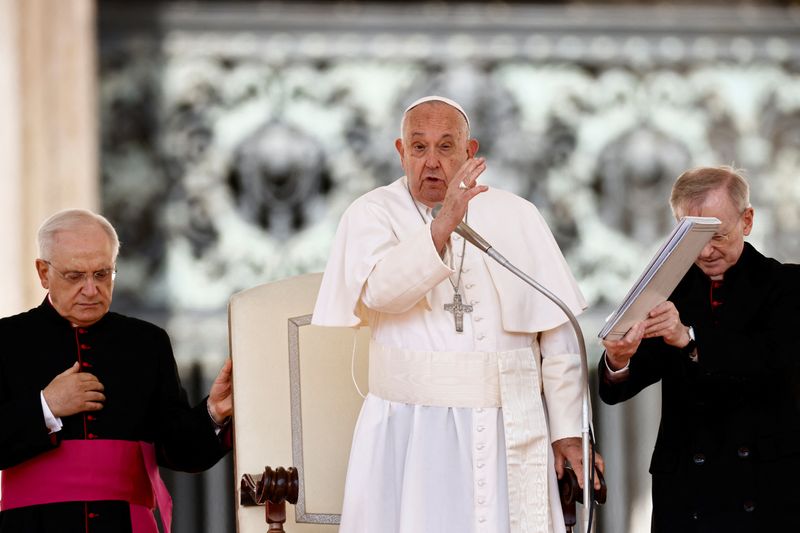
276, 515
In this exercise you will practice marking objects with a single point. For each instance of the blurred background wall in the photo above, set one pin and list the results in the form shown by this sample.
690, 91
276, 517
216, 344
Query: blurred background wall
225, 139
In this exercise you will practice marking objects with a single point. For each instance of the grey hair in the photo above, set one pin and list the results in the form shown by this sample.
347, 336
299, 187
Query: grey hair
692, 187
70, 219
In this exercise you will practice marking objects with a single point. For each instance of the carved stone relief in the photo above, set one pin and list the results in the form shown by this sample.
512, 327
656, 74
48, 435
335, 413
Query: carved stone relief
231, 145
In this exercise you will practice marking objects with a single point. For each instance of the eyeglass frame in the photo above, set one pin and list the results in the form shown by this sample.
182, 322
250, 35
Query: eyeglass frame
83, 276
720, 239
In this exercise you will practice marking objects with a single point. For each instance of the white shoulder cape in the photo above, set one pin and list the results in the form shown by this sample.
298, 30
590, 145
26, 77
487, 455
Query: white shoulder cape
512, 225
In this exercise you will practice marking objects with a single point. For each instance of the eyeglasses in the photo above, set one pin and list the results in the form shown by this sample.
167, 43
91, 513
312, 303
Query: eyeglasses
721, 238
74, 277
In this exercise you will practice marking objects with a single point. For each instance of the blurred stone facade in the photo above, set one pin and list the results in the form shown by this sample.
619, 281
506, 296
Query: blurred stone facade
232, 144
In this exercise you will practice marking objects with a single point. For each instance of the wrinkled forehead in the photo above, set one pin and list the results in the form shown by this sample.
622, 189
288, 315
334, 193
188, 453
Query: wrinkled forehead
434, 121
717, 201
82, 241
433, 98
434, 101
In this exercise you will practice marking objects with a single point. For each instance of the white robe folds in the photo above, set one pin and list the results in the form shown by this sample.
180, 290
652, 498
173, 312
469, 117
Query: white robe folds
424, 464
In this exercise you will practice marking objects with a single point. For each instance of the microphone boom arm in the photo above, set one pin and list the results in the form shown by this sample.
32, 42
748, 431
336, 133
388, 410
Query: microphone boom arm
470, 235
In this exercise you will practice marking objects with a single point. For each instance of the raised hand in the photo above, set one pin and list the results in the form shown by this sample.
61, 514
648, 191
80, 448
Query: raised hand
461, 189
73, 391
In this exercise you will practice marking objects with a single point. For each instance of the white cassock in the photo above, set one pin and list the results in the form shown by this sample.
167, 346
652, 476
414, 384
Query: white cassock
455, 433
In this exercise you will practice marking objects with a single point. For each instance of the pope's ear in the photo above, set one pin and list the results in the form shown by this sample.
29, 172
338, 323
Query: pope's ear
472, 147
398, 144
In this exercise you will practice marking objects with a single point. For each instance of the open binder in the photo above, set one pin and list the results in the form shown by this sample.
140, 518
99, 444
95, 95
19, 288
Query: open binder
662, 275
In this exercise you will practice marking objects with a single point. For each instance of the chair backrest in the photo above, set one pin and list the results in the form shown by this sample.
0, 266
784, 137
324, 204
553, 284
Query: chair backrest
294, 399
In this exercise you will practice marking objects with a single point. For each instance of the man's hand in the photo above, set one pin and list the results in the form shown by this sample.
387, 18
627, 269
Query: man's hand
665, 321
571, 449
662, 321
220, 398
73, 391
461, 189
619, 352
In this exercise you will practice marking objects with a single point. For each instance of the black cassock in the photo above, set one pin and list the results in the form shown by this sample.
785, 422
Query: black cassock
144, 402
727, 456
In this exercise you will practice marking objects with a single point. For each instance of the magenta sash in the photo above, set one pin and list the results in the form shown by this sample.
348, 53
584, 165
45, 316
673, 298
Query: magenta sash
92, 470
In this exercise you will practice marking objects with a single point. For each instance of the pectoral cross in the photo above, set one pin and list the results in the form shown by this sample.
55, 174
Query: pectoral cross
458, 309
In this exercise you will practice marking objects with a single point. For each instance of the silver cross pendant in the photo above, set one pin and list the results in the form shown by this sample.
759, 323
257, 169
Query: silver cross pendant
458, 309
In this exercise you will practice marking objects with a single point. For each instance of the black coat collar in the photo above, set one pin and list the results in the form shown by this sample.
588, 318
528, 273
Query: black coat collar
745, 284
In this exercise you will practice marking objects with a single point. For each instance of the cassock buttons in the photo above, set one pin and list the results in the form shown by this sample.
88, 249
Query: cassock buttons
84, 364
91, 436
81, 331
85, 347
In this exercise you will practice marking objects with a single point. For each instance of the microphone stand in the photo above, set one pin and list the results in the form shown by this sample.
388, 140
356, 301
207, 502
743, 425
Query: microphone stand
470, 235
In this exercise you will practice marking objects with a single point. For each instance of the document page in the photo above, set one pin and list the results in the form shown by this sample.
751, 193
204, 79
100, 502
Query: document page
662, 275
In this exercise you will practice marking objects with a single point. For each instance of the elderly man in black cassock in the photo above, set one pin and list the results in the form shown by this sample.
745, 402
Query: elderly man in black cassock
92, 401
725, 348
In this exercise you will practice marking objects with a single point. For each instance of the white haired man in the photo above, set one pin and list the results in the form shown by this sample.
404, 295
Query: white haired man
727, 456
475, 388
92, 400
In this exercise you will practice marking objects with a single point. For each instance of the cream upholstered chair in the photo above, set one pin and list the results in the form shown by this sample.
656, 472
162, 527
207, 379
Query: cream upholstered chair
294, 399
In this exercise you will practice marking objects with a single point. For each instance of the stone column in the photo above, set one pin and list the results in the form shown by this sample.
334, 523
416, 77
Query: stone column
10, 176
48, 134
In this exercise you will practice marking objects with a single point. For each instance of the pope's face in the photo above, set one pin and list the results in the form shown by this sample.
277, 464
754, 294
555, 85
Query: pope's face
435, 144
725, 248
78, 274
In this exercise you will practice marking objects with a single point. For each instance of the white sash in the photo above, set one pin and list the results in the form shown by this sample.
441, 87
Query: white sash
509, 380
